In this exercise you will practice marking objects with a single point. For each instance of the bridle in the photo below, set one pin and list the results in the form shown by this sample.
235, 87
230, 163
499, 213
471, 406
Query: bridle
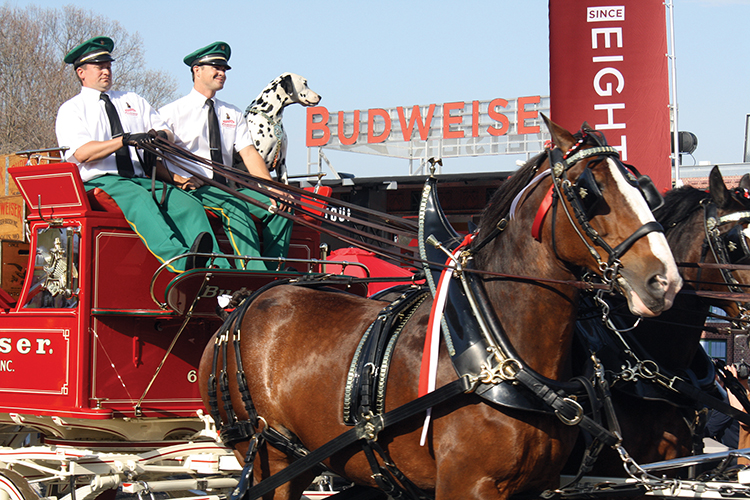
585, 187
729, 247
583, 197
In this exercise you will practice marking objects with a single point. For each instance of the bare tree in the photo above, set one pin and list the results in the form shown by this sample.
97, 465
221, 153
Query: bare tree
34, 80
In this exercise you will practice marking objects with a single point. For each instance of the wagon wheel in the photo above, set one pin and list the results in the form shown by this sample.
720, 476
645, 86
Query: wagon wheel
13, 486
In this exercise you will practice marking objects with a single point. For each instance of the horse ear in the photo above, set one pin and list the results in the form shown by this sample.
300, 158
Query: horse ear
745, 182
719, 192
560, 137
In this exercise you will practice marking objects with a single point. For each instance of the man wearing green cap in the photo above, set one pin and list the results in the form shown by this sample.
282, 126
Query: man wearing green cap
214, 130
98, 125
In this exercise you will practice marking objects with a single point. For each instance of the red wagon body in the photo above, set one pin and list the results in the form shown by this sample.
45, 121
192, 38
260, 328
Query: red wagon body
100, 350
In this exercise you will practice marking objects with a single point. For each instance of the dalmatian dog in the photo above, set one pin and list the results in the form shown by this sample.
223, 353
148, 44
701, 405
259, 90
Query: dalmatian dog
264, 115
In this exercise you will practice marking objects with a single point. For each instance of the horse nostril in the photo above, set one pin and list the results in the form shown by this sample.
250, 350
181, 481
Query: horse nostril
658, 283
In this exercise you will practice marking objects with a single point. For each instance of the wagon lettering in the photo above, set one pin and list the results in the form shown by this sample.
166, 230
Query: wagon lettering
210, 291
214, 291
5, 365
41, 344
24, 346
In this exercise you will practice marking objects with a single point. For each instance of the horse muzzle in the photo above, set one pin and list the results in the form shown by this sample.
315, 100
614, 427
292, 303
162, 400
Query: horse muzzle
651, 297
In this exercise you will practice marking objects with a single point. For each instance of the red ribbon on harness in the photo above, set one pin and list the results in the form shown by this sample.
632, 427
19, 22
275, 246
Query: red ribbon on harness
543, 209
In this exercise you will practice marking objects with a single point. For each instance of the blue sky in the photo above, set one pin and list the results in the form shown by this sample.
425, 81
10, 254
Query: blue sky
358, 56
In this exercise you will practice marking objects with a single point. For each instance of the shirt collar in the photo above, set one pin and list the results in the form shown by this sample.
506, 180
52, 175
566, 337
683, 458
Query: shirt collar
199, 99
92, 94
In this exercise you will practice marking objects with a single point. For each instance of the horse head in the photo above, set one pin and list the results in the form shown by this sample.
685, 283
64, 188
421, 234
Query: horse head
721, 216
604, 224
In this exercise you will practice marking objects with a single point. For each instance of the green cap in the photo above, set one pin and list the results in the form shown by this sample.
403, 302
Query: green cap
94, 50
216, 54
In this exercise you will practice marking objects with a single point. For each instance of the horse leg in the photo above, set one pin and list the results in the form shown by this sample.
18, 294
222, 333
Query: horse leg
268, 462
479, 471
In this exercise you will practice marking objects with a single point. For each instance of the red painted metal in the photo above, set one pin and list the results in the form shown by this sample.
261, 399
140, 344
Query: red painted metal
95, 357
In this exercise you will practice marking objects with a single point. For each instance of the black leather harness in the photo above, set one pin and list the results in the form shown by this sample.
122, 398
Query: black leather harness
368, 373
475, 338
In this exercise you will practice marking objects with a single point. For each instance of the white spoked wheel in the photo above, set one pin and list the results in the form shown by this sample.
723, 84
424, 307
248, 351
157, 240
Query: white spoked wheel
13, 486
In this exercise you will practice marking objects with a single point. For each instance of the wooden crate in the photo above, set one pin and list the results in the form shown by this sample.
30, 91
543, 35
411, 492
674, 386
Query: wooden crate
7, 186
14, 261
12, 216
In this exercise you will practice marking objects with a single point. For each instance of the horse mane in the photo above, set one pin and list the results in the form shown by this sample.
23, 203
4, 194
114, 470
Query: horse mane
499, 205
679, 204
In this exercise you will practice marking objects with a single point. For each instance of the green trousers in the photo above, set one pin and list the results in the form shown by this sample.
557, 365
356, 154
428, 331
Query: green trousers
237, 218
168, 230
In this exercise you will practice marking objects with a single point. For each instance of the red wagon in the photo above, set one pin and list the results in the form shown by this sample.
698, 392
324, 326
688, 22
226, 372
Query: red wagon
99, 353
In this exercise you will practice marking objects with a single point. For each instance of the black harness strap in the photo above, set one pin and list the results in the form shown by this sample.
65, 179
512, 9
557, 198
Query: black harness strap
388, 477
363, 430
690, 390
246, 477
566, 408
234, 430
370, 364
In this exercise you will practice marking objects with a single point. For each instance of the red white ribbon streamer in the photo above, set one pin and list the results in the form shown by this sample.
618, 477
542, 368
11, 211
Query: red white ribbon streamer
428, 370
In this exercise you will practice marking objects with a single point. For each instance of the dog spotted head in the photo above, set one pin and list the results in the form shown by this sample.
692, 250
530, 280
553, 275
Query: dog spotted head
296, 90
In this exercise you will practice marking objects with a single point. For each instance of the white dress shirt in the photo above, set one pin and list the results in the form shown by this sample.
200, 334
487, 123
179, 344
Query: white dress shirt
188, 119
83, 119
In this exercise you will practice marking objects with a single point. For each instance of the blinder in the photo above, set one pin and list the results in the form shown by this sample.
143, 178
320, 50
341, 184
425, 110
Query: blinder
588, 192
586, 187
735, 242
645, 185
654, 199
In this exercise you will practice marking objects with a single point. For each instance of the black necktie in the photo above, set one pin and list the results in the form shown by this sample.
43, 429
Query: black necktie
214, 140
122, 155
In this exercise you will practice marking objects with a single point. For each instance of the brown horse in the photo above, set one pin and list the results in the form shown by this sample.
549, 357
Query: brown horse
297, 344
662, 429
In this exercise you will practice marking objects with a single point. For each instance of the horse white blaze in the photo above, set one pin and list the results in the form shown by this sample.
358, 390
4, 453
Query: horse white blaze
656, 240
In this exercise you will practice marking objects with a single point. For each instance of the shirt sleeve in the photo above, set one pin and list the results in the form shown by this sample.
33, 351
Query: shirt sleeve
71, 131
152, 118
243, 138
166, 114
